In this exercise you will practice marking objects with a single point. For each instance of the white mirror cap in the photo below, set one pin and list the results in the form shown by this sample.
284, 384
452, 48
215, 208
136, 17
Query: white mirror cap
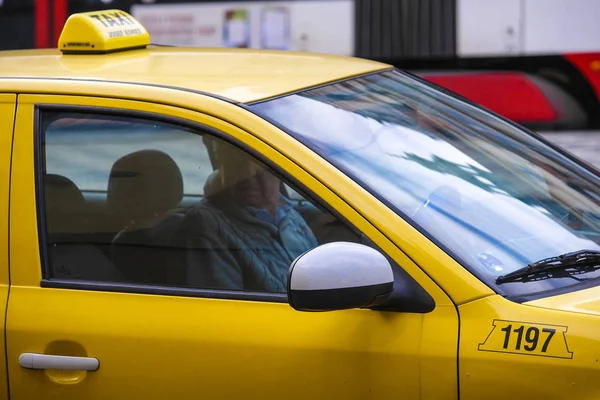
340, 265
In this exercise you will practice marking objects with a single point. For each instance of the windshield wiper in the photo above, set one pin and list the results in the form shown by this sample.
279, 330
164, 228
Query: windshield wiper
565, 265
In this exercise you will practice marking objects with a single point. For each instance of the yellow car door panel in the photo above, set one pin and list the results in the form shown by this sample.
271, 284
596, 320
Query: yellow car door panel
7, 117
174, 341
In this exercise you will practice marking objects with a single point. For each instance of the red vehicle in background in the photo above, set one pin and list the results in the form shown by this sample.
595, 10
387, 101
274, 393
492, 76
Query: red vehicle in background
536, 62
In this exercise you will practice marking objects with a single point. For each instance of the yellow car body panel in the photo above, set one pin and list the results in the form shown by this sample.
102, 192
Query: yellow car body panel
238, 75
7, 117
585, 301
154, 347
497, 365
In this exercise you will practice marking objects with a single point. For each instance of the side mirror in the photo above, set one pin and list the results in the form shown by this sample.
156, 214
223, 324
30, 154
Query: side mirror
338, 276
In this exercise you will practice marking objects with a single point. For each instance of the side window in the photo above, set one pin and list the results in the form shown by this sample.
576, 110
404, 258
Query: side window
135, 201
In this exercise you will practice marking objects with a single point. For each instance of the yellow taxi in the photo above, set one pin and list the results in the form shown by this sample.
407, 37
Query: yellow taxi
235, 223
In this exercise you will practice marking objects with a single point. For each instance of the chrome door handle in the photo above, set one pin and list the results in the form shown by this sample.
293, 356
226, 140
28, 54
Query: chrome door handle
46, 361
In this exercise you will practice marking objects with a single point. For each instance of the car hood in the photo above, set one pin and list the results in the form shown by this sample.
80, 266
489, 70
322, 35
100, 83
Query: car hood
585, 301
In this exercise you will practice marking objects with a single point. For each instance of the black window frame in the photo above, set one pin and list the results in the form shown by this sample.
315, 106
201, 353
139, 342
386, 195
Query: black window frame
423, 303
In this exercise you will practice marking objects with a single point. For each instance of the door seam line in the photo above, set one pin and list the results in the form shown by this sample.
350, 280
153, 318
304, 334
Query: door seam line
12, 143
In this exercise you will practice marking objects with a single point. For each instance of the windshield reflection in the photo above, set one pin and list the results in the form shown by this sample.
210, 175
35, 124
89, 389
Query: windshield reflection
492, 195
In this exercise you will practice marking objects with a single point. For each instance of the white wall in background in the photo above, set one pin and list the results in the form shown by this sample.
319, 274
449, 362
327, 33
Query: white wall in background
318, 26
511, 27
558, 26
487, 27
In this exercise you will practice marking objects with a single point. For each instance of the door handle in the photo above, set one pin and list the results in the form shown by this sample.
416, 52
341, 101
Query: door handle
46, 361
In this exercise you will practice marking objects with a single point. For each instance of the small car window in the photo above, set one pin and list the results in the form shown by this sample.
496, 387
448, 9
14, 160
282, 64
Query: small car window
141, 202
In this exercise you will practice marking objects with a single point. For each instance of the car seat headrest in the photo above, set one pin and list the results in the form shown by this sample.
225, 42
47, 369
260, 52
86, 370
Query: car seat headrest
144, 184
64, 204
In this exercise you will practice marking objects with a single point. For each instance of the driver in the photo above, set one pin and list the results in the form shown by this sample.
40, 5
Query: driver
245, 234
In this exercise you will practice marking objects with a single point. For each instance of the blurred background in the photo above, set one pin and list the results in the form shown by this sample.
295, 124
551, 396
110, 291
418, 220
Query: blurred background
536, 62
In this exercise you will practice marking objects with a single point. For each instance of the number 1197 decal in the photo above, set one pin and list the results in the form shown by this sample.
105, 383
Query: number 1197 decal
528, 339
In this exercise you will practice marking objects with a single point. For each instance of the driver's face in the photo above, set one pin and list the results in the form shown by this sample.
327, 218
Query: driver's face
251, 184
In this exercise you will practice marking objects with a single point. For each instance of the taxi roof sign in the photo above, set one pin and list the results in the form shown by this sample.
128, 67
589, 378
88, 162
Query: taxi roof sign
102, 32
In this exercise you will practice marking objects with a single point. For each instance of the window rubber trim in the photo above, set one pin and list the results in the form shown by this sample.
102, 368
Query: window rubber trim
40, 201
88, 80
119, 287
425, 306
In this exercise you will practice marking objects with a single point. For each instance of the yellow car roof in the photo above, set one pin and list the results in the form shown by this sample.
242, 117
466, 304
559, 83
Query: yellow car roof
241, 75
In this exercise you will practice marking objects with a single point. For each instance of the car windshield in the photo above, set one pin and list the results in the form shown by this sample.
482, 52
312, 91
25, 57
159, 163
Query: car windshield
492, 195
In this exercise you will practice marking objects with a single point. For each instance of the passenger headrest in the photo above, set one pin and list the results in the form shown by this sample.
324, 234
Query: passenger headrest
64, 204
144, 184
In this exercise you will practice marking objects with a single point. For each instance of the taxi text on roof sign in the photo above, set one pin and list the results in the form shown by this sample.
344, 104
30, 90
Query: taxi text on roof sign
102, 32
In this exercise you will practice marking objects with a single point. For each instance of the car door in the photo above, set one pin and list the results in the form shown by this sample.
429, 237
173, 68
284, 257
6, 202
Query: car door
91, 176
7, 117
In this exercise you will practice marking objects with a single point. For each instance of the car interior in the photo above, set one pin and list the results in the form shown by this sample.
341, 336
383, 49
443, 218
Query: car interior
125, 233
